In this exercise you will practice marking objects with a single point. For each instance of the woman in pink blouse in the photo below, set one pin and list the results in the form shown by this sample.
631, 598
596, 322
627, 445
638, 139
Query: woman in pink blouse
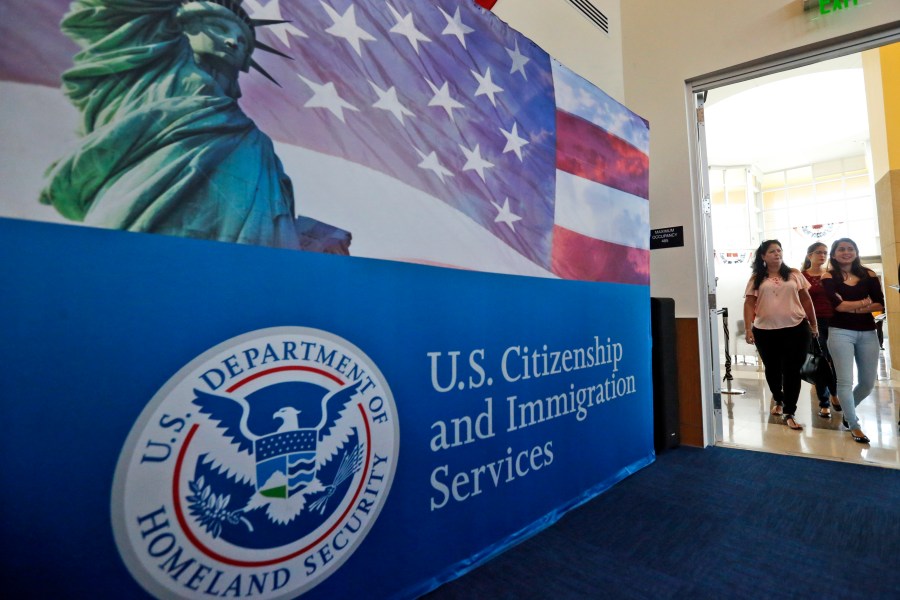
778, 305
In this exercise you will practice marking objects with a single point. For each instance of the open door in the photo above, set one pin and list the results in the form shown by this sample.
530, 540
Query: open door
708, 266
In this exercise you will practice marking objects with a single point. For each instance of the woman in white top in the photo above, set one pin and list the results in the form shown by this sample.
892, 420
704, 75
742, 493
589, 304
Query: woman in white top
778, 305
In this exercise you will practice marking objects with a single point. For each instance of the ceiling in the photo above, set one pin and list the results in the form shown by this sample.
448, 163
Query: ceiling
798, 117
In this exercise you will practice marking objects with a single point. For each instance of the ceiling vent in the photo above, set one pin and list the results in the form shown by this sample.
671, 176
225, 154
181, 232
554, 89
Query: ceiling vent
592, 13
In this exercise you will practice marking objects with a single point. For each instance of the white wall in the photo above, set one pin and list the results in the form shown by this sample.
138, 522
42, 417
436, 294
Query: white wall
667, 43
569, 37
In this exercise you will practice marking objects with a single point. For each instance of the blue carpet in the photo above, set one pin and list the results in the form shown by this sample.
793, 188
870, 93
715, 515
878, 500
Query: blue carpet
714, 523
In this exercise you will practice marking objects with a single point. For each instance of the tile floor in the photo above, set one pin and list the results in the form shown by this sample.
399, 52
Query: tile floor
747, 423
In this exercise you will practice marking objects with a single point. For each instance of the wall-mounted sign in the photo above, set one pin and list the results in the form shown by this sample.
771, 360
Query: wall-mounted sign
825, 7
667, 237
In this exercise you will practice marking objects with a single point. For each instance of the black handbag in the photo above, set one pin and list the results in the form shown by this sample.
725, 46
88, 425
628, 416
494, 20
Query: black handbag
825, 378
814, 363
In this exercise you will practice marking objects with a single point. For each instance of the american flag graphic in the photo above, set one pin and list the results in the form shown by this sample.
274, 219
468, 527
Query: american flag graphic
454, 122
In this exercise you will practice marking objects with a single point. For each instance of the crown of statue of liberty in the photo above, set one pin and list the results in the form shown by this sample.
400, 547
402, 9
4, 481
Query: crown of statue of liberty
235, 8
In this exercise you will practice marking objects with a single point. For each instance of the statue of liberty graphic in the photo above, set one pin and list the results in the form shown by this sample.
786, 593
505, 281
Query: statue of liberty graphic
165, 147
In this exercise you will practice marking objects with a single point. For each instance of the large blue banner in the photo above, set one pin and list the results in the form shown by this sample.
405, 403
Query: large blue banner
193, 419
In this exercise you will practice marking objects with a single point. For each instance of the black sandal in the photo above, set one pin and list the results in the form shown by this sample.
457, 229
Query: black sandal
862, 439
836, 405
823, 414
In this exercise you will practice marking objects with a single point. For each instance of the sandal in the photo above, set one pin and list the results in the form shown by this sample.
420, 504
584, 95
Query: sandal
825, 412
835, 404
861, 438
777, 409
792, 423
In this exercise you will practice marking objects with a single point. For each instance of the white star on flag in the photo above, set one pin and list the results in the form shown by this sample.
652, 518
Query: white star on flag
504, 215
443, 99
326, 96
514, 143
345, 26
474, 161
387, 100
431, 163
455, 26
407, 28
518, 61
486, 87
272, 11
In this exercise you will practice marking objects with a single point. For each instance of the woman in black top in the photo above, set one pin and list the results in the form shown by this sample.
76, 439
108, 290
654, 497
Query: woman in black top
855, 293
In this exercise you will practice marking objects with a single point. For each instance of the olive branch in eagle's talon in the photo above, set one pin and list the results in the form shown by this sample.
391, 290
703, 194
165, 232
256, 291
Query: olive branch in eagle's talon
211, 510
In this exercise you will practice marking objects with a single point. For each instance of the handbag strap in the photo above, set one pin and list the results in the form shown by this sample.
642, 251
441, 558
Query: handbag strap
814, 347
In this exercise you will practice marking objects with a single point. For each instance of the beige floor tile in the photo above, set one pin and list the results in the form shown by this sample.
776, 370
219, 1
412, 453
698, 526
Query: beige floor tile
747, 423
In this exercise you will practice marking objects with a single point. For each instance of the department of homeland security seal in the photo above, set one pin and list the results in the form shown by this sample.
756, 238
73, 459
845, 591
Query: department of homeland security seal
257, 469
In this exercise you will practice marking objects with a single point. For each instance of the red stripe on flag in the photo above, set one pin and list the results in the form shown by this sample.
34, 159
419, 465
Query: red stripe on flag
588, 151
488, 4
577, 256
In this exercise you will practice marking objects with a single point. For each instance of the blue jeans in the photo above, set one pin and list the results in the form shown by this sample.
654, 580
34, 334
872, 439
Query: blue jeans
847, 346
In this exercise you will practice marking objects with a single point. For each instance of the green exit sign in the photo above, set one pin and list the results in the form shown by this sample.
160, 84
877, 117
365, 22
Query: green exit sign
832, 6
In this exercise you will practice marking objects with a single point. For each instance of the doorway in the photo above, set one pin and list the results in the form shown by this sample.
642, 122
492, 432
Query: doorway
782, 164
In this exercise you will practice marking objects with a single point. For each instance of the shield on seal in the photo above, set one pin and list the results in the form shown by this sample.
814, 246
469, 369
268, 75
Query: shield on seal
285, 462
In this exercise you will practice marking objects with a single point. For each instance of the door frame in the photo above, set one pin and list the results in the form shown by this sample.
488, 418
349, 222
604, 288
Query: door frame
697, 87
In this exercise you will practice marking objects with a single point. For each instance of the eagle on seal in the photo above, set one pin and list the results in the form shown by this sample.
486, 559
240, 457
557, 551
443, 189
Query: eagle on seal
281, 463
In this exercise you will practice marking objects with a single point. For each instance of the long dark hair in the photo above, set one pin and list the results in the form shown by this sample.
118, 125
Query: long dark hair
806, 262
856, 267
760, 271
